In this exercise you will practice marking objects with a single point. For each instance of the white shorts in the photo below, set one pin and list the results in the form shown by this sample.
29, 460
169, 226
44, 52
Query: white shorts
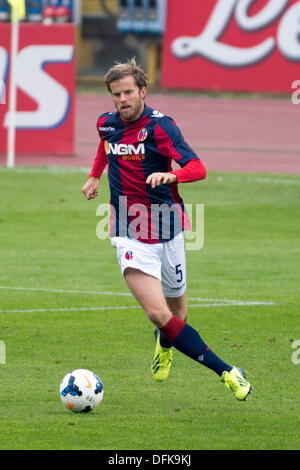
165, 261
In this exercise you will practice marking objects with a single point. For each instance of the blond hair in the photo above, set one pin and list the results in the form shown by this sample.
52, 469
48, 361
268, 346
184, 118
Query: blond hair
121, 70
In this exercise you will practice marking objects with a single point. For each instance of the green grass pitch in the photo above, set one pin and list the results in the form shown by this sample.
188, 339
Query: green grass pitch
49, 248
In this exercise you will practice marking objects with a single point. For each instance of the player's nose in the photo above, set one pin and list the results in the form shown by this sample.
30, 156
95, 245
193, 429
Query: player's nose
123, 97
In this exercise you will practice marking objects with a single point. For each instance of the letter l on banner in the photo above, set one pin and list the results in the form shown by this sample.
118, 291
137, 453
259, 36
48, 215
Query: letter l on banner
17, 13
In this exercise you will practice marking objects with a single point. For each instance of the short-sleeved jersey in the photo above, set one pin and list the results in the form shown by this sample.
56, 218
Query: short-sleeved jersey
133, 151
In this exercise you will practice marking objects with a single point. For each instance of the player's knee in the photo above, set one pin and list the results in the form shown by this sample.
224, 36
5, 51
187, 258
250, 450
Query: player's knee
158, 316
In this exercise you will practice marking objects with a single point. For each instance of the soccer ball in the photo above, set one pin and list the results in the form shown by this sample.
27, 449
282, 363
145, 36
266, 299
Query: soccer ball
81, 391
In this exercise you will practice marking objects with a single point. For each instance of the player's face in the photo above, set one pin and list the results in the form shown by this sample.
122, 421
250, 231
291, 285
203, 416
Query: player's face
128, 98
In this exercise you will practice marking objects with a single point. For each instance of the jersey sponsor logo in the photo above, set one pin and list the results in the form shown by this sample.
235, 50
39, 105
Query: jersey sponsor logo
126, 149
133, 157
142, 135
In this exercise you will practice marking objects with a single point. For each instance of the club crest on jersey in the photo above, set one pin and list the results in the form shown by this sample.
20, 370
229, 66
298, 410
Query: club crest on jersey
142, 135
128, 255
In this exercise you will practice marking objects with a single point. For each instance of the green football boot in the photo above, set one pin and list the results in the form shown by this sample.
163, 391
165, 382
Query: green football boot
161, 364
236, 381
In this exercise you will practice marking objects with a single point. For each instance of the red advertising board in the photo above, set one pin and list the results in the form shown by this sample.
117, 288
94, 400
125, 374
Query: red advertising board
232, 45
45, 80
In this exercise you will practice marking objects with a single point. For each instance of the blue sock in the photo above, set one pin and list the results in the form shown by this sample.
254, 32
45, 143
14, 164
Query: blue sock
190, 343
164, 342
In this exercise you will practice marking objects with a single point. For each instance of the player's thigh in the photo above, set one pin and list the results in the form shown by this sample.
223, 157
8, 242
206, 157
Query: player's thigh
148, 292
141, 266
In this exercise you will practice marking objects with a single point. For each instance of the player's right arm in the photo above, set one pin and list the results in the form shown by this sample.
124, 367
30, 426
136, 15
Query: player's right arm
90, 189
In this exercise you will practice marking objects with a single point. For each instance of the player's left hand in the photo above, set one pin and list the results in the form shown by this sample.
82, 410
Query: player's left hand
157, 179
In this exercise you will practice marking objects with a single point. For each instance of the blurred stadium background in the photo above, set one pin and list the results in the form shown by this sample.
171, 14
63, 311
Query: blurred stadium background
203, 61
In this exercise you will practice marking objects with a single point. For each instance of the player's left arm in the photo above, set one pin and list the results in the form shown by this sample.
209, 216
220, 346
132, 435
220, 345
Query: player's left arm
193, 170
172, 145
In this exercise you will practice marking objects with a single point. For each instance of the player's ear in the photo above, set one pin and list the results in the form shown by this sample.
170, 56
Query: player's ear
144, 92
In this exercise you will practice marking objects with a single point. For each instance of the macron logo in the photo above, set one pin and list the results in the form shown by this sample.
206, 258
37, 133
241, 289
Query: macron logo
107, 129
157, 114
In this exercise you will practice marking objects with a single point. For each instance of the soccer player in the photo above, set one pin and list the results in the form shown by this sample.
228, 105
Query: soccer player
148, 217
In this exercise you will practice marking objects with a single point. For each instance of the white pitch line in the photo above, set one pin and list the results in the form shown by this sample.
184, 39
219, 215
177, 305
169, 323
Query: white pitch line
50, 169
205, 302
128, 294
129, 307
65, 291
257, 179
68, 309
86, 169
82, 169
233, 302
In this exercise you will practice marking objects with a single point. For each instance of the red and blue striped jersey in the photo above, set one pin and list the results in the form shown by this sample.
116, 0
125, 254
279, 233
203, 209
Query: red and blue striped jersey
133, 151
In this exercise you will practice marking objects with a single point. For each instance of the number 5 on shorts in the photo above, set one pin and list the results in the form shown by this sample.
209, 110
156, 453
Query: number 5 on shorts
179, 272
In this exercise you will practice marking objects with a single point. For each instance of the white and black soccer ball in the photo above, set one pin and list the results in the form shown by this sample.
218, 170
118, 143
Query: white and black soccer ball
81, 391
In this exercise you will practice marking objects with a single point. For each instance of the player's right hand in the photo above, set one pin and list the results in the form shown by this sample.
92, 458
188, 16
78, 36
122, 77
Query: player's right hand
90, 189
